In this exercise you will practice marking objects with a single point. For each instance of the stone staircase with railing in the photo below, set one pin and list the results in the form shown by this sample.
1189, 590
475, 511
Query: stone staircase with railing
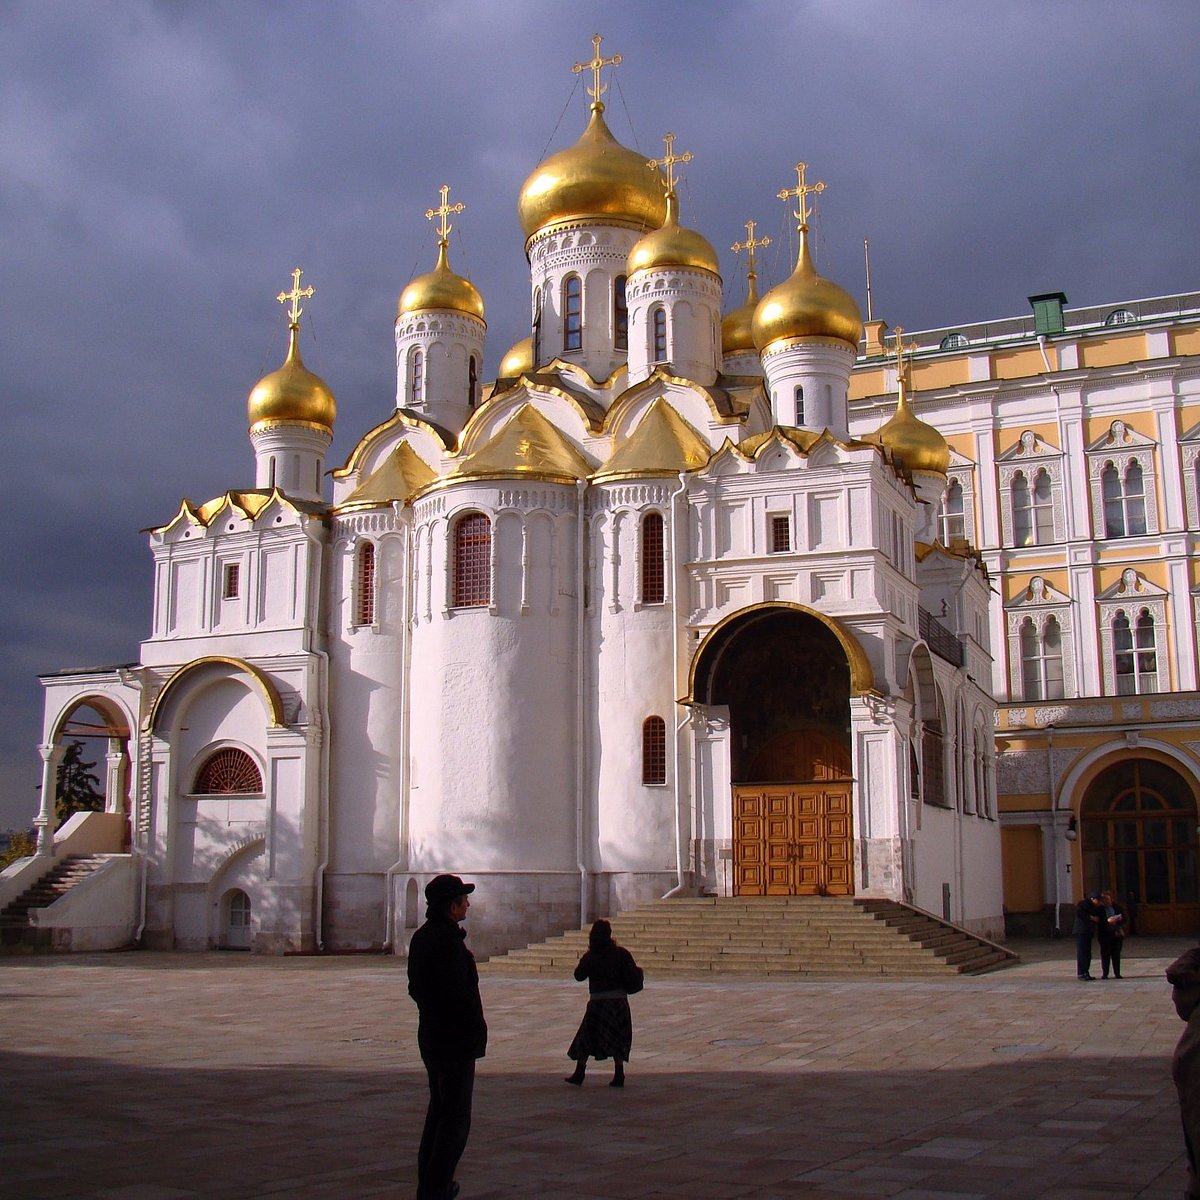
784, 936
16, 931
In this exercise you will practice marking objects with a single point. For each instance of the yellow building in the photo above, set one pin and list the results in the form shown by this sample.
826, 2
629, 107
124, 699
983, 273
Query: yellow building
1075, 474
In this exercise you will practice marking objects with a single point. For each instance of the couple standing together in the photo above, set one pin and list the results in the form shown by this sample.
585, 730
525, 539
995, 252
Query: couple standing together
1099, 916
452, 1033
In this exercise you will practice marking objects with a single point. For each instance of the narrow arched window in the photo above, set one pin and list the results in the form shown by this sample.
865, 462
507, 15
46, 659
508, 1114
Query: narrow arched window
1135, 501
954, 523
1041, 660
799, 397
537, 327
1043, 509
572, 307
1022, 510
364, 585
620, 315
472, 382
416, 375
654, 750
1135, 653
228, 772
472, 587
658, 328
653, 565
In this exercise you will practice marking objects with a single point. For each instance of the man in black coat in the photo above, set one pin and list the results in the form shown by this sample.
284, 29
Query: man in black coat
451, 1034
1087, 917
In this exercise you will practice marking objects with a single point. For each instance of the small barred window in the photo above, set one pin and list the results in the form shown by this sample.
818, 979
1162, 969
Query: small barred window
364, 600
654, 573
654, 750
226, 773
472, 561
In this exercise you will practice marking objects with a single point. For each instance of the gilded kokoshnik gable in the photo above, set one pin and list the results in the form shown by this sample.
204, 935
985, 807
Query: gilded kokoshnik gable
685, 602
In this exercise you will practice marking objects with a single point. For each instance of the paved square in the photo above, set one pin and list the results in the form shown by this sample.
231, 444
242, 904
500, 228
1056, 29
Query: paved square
161, 1077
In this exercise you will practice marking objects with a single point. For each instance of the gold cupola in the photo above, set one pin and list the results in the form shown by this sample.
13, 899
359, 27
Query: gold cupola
441, 289
597, 179
805, 305
737, 333
673, 246
908, 440
518, 360
292, 395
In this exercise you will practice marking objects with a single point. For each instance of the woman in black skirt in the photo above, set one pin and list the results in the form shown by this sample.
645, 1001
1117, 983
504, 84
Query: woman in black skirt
607, 1029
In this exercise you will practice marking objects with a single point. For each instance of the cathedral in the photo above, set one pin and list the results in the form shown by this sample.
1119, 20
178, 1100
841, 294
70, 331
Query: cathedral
651, 614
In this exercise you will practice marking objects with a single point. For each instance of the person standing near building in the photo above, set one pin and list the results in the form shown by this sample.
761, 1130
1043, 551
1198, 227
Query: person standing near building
607, 1027
451, 1033
1087, 918
1110, 932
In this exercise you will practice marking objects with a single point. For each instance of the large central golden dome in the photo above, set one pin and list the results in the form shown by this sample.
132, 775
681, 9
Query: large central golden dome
595, 179
806, 306
293, 394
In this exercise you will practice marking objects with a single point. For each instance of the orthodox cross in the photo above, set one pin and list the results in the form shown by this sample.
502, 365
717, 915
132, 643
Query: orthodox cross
669, 160
443, 212
751, 243
595, 66
900, 349
295, 296
801, 190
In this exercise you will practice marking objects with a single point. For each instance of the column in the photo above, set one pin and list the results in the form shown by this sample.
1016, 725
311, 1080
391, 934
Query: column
44, 822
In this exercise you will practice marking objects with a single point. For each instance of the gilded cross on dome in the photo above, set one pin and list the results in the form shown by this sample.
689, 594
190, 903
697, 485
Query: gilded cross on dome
295, 296
443, 212
751, 243
596, 66
801, 190
669, 160
901, 349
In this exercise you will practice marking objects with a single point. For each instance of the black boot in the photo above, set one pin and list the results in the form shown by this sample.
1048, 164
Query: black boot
577, 1077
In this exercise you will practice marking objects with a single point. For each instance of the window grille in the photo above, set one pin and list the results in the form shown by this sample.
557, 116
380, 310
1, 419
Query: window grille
472, 561
228, 772
654, 750
781, 534
654, 574
364, 609
659, 329
231, 582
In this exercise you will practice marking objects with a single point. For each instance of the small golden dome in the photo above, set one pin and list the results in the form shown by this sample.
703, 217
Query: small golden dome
441, 289
518, 360
596, 179
806, 306
737, 334
673, 246
292, 394
911, 442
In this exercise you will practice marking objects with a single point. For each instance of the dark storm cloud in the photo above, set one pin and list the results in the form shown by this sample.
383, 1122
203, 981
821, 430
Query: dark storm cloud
164, 166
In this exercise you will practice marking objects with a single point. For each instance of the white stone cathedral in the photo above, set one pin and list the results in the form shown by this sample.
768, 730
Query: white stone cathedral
638, 619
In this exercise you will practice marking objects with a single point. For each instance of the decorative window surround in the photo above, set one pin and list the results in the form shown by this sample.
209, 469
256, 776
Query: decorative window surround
1038, 603
1190, 452
1030, 455
1122, 446
1132, 595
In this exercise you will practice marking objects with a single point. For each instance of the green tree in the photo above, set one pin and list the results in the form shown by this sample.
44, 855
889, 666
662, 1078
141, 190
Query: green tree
78, 787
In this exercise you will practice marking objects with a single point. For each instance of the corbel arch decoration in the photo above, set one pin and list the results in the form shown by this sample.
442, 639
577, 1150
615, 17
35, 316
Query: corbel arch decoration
264, 686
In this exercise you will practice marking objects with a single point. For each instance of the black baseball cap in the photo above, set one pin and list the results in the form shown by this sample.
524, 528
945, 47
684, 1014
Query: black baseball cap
446, 887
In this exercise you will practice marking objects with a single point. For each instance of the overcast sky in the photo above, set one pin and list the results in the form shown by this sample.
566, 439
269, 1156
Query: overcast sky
164, 166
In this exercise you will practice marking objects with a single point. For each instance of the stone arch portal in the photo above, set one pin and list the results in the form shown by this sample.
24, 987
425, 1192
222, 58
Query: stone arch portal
785, 676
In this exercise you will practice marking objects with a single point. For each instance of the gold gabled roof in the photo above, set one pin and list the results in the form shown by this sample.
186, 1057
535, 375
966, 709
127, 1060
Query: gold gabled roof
662, 444
527, 445
403, 473
248, 503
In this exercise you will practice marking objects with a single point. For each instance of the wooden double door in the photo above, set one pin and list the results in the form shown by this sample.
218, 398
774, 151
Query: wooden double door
793, 839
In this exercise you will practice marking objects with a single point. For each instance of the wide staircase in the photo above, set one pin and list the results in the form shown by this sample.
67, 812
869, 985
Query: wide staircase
784, 936
16, 932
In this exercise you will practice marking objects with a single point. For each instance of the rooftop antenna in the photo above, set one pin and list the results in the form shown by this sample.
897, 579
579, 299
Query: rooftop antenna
867, 260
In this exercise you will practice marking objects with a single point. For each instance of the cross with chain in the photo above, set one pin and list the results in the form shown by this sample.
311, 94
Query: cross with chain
295, 296
595, 66
901, 348
751, 243
444, 211
801, 190
669, 160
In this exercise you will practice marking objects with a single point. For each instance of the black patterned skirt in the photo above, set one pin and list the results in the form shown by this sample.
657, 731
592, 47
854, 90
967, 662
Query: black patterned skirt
606, 1031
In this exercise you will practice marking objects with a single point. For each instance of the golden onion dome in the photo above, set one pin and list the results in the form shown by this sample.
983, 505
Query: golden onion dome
518, 360
441, 289
293, 394
595, 179
911, 442
737, 334
672, 246
806, 306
